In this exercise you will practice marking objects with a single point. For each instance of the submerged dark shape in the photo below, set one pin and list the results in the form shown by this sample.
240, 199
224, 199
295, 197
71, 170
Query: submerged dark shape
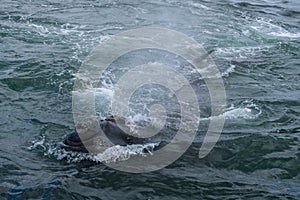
112, 131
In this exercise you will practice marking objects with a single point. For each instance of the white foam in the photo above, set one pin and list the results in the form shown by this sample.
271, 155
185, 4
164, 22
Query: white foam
38, 143
198, 5
235, 113
105, 91
269, 28
286, 34
228, 71
41, 30
241, 52
121, 153
247, 110
112, 154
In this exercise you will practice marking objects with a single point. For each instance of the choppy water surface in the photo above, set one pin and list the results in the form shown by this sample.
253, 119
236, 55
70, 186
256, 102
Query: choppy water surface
256, 47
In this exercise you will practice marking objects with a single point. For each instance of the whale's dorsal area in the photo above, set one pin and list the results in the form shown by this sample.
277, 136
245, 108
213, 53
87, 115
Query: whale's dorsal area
112, 130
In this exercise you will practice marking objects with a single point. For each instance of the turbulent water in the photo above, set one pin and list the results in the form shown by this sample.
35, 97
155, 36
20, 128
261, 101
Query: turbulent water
256, 47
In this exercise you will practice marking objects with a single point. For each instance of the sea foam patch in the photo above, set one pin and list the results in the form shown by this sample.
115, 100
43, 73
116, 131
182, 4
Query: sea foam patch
113, 154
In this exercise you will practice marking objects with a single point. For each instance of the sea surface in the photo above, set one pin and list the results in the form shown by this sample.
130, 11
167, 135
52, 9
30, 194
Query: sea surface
255, 45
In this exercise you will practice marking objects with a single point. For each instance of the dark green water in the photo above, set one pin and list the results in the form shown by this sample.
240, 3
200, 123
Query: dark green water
257, 49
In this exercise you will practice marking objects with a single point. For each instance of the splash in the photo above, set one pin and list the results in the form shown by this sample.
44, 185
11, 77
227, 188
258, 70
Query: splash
38, 143
246, 110
228, 71
113, 154
121, 153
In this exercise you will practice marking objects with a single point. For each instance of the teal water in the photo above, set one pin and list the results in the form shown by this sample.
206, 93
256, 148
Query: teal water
256, 47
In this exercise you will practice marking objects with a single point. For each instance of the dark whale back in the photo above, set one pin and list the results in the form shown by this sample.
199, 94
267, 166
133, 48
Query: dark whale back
112, 131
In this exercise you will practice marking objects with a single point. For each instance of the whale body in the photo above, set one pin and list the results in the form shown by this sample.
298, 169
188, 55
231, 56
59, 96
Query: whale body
112, 131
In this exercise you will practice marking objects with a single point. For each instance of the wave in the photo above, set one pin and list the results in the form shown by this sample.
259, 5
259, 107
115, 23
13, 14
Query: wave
246, 110
268, 27
113, 154
241, 52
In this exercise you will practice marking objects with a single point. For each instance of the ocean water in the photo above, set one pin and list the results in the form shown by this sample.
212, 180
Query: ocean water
256, 47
